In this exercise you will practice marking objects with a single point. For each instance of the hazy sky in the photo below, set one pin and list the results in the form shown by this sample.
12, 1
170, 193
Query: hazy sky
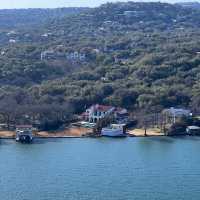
56, 3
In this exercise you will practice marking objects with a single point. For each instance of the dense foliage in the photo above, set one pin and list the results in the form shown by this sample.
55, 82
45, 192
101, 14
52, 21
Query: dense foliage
138, 55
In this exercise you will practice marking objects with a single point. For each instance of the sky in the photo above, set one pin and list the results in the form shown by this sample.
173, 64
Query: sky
8, 4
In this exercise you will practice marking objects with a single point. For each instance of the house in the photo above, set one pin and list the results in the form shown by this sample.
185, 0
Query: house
172, 114
59, 55
75, 56
193, 130
3, 53
46, 35
11, 33
12, 41
107, 23
133, 13
129, 13
104, 79
121, 115
97, 112
48, 55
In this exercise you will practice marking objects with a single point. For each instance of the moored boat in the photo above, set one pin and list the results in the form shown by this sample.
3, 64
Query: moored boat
24, 134
114, 130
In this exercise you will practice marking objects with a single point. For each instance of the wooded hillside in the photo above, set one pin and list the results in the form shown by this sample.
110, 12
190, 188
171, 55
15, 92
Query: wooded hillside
134, 55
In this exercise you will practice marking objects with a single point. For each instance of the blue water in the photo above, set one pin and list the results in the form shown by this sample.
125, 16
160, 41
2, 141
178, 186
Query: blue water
158, 168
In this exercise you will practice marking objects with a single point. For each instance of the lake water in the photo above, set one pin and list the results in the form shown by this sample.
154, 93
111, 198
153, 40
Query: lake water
158, 168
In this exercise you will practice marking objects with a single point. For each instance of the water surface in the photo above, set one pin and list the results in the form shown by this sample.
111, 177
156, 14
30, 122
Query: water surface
101, 169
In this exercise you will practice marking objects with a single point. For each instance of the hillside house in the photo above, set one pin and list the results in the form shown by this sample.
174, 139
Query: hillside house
121, 115
97, 112
11, 33
172, 114
75, 56
133, 13
3, 53
57, 55
193, 130
45, 35
48, 55
12, 41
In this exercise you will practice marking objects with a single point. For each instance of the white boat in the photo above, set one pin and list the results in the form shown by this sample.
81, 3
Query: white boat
24, 134
114, 130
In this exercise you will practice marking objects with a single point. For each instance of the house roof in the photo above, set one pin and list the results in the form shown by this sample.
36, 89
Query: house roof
177, 111
101, 108
193, 127
24, 126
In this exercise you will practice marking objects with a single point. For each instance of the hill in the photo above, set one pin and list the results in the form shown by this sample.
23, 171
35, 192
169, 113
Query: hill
134, 55
193, 5
10, 18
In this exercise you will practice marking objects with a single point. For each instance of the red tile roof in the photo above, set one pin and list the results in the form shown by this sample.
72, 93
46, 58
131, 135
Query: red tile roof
101, 108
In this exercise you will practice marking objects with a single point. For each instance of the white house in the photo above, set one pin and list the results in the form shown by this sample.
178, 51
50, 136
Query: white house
12, 41
75, 56
131, 13
11, 33
47, 55
193, 130
97, 112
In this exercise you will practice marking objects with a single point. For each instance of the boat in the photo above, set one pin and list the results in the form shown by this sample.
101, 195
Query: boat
114, 130
24, 134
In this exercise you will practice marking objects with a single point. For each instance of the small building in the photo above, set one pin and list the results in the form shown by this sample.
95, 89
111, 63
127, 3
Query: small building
6, 127
3, 127
121, 115
133, 13
75, 56
61, 55
11, 33
3, 53
172, 114
193, 130
107, 23
46, 34
48, 55
12, 41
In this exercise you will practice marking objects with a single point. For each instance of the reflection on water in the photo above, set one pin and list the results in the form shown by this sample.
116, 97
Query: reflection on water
5, 142
161, 139
104, 168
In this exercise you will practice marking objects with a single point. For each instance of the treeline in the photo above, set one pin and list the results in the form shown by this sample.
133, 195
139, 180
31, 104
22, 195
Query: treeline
43, 116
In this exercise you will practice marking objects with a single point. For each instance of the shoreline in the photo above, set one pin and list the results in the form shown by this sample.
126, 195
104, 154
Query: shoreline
75, 132
128, 136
